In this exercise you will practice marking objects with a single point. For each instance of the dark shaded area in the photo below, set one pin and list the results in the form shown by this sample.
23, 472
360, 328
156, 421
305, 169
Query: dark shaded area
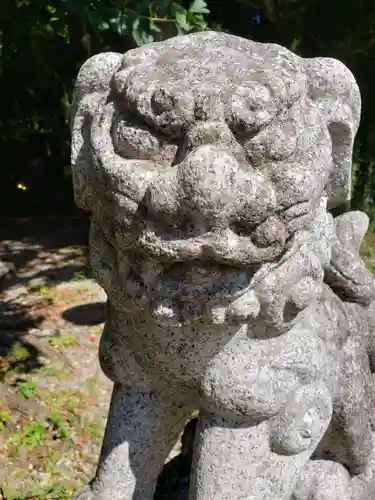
15, 322
86, 314
23, 241
173, 483
29, 363
43, 44
48, 230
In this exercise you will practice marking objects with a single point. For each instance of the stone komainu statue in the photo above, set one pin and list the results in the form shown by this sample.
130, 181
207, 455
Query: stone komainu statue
210, 165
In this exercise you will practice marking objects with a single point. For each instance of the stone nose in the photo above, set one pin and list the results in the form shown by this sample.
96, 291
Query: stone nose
210, 190
208, 182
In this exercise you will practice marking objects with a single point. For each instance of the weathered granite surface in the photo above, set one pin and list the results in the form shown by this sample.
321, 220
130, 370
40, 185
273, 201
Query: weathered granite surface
210, 164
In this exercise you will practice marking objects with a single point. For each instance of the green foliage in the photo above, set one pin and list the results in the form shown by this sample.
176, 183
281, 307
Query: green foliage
92, 385
368, 250
55, 491
43, 43
30, 435
27, 389
60, 425
4, 419
79, 277
44, 291
63, 341
18, 352
73, 404
91, 428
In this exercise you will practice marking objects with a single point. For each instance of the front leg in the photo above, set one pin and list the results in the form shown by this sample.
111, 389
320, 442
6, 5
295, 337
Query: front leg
141, 430
237, 461
349, 440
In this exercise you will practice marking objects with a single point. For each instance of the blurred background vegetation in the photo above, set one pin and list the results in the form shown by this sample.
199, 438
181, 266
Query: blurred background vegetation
43, 43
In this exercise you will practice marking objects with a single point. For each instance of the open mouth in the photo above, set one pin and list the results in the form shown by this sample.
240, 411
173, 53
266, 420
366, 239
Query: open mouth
218, 264
224, 247
197, 280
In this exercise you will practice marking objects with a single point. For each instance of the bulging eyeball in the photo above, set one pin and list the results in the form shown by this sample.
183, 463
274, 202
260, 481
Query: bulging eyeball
172, 109
251, 108
119, 81
164, 101
134, 141
208, 105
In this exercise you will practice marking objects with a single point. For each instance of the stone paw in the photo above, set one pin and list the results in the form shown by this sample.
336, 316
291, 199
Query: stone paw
302, 422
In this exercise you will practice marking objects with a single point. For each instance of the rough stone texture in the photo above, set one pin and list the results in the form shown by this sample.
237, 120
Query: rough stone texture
210, 164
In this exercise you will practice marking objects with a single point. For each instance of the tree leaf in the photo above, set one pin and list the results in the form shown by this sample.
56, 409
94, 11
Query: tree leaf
181, 16
140, 35
154, 27
137, 33
199, 7
180, 31
198, 21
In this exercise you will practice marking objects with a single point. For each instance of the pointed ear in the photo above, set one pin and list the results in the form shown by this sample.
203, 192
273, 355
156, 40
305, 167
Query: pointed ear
92, 84
333, 88
347, 274
351, 229
94, 77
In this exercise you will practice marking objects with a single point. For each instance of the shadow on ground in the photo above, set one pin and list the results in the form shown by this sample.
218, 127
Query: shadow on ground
39, 253
86, 314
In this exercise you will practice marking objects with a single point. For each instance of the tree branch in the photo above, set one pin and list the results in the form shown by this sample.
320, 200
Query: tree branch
142, 16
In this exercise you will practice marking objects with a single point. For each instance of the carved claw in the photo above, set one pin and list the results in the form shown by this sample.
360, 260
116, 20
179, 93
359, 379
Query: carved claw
302, 422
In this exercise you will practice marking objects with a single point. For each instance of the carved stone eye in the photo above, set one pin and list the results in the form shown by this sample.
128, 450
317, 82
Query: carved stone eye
171, 111
251, 109
134, 142
163, 101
